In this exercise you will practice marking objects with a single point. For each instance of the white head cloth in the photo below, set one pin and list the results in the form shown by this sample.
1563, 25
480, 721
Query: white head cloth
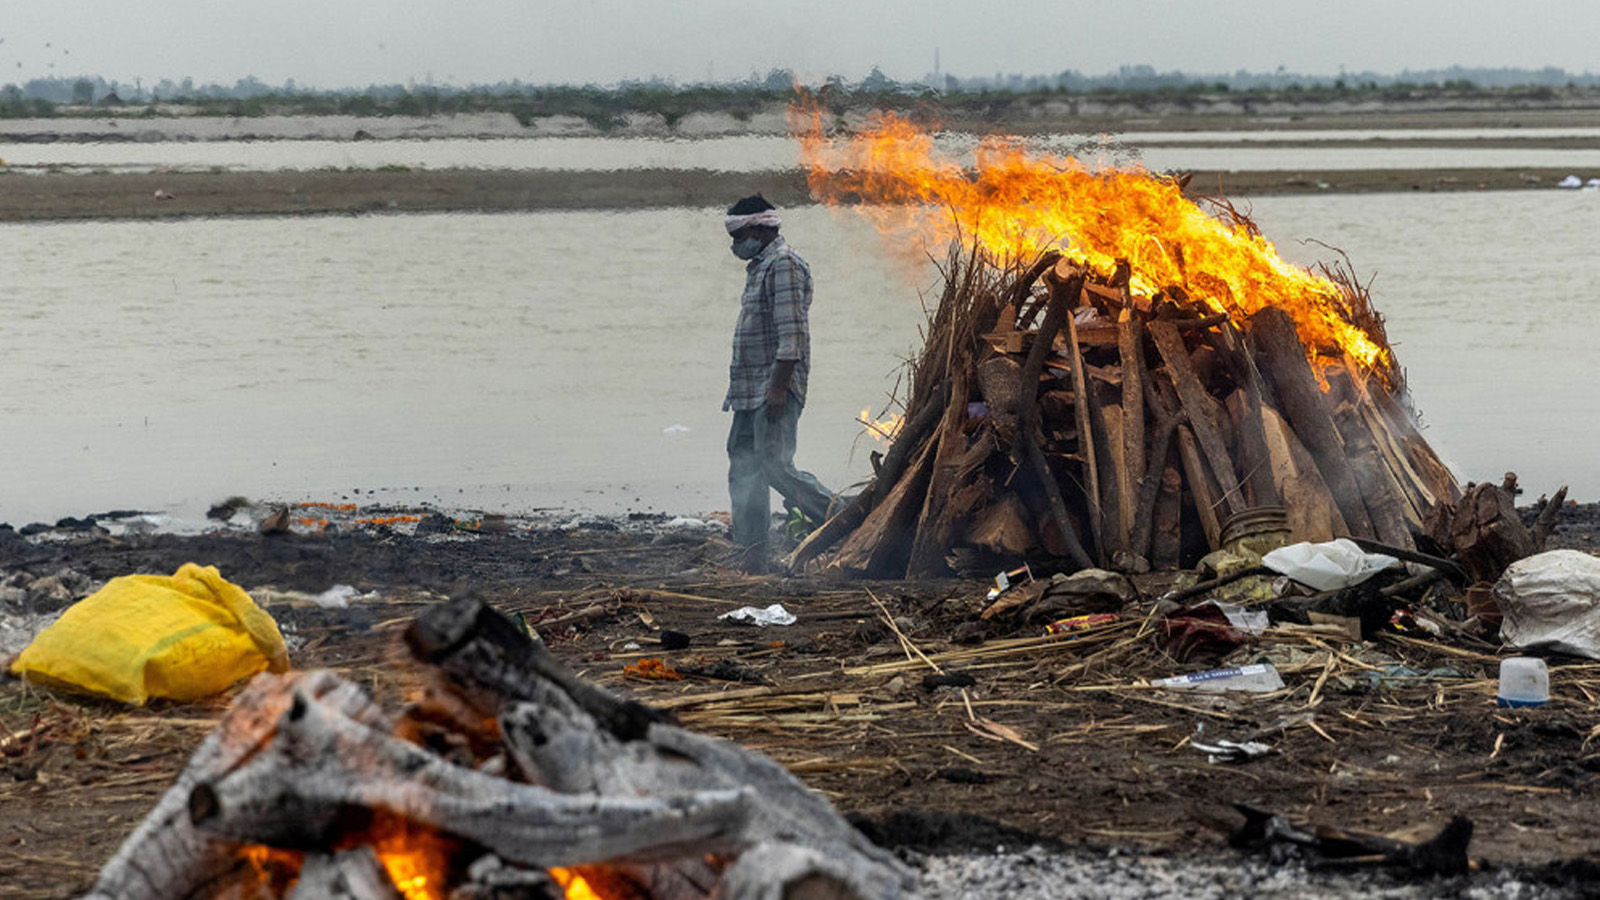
767, 217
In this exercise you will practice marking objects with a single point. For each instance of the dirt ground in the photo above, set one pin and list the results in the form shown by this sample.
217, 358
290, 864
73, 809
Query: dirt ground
75, 196
1056, 739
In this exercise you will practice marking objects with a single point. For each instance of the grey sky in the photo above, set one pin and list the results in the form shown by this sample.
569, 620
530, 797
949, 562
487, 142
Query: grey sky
337, 43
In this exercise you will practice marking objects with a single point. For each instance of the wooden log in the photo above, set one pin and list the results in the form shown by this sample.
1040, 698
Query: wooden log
1245, 409
1380, 493
506, 664
954, 494
1255, 461
911, 437
166, 856
1105, 420
555, 741
1440, 481
1202, 489
354, 874
1200, 411
1086, 441
1486, 531
1003, 527
1166, 543
1312, 514
1022, 289
1278, 345
1130, 348
318, 763
1064, 284
1549, 516
1163, 403
882, 543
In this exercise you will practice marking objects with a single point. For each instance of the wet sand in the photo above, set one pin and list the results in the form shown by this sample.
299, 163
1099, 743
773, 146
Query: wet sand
60, 196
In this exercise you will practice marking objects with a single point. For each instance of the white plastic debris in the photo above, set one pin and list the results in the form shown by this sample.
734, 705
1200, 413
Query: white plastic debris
1224, 751
749, 615
1327, 566
336, 597
1262, 678
1249, 621
676, 429
1551, 600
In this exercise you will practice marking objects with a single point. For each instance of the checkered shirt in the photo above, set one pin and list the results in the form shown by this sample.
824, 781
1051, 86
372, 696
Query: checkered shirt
773, 325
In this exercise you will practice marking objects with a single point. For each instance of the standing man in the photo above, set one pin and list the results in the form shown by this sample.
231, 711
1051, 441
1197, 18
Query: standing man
767, 380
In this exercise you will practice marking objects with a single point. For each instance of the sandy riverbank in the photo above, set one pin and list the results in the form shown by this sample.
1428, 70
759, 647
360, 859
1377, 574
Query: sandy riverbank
46, 197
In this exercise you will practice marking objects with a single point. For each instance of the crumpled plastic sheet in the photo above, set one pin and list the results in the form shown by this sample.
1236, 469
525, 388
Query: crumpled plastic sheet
750, 615
1328, 566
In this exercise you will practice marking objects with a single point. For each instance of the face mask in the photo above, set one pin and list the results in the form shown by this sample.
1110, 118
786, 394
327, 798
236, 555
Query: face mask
748, 248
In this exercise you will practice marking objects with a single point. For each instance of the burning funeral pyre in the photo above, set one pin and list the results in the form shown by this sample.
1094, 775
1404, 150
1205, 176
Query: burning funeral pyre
509, 778
1115, 377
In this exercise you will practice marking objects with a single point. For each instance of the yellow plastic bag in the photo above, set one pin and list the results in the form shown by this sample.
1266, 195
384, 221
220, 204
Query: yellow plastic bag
141, 636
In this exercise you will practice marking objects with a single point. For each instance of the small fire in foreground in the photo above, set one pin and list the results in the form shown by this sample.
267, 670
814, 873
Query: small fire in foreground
1015, 204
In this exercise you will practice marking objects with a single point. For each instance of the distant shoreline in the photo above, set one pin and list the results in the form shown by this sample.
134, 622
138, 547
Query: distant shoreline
177, 195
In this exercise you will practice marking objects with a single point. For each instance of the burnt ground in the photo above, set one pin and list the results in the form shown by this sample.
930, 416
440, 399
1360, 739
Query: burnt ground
1053, 740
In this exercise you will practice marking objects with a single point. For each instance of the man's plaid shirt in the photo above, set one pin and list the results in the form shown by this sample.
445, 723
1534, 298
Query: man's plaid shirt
772, 325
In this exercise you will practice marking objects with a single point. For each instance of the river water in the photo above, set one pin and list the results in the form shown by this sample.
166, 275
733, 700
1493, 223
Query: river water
749, 153
577, 359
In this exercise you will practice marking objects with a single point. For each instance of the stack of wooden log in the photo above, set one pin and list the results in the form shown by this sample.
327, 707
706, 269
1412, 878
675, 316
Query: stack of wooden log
1056, 416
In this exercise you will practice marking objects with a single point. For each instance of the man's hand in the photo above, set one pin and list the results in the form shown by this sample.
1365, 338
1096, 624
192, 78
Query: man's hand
776, 401
778, 388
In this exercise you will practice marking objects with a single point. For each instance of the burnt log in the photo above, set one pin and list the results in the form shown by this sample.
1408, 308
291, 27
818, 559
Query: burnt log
348, 875
318, 764
555, 742
167, 857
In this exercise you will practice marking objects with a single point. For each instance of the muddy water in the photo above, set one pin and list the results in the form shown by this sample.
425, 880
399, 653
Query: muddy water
578, 359
503, 362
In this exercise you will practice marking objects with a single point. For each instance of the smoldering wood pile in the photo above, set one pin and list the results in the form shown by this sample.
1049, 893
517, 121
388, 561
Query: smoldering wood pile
1053, 414
509, 773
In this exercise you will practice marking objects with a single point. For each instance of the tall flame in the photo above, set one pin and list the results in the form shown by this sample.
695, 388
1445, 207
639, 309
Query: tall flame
1014, 204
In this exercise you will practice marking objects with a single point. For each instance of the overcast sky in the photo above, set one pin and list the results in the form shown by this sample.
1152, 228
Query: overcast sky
342, 43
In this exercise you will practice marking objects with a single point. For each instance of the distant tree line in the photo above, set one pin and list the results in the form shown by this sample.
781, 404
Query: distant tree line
606, 106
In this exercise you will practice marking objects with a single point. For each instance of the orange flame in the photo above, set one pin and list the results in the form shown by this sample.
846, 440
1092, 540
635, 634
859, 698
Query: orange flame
574, 885
885, 429
417, 868
1014, 204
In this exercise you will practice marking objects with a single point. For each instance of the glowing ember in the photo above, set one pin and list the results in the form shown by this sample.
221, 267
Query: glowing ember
1014, 204
883, 429
574, 885
417, 860
414, 873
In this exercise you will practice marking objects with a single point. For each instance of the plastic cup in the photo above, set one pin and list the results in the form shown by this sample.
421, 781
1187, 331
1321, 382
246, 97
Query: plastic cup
1524, 681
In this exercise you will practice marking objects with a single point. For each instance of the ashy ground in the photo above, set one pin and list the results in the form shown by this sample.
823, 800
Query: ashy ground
1055, 739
